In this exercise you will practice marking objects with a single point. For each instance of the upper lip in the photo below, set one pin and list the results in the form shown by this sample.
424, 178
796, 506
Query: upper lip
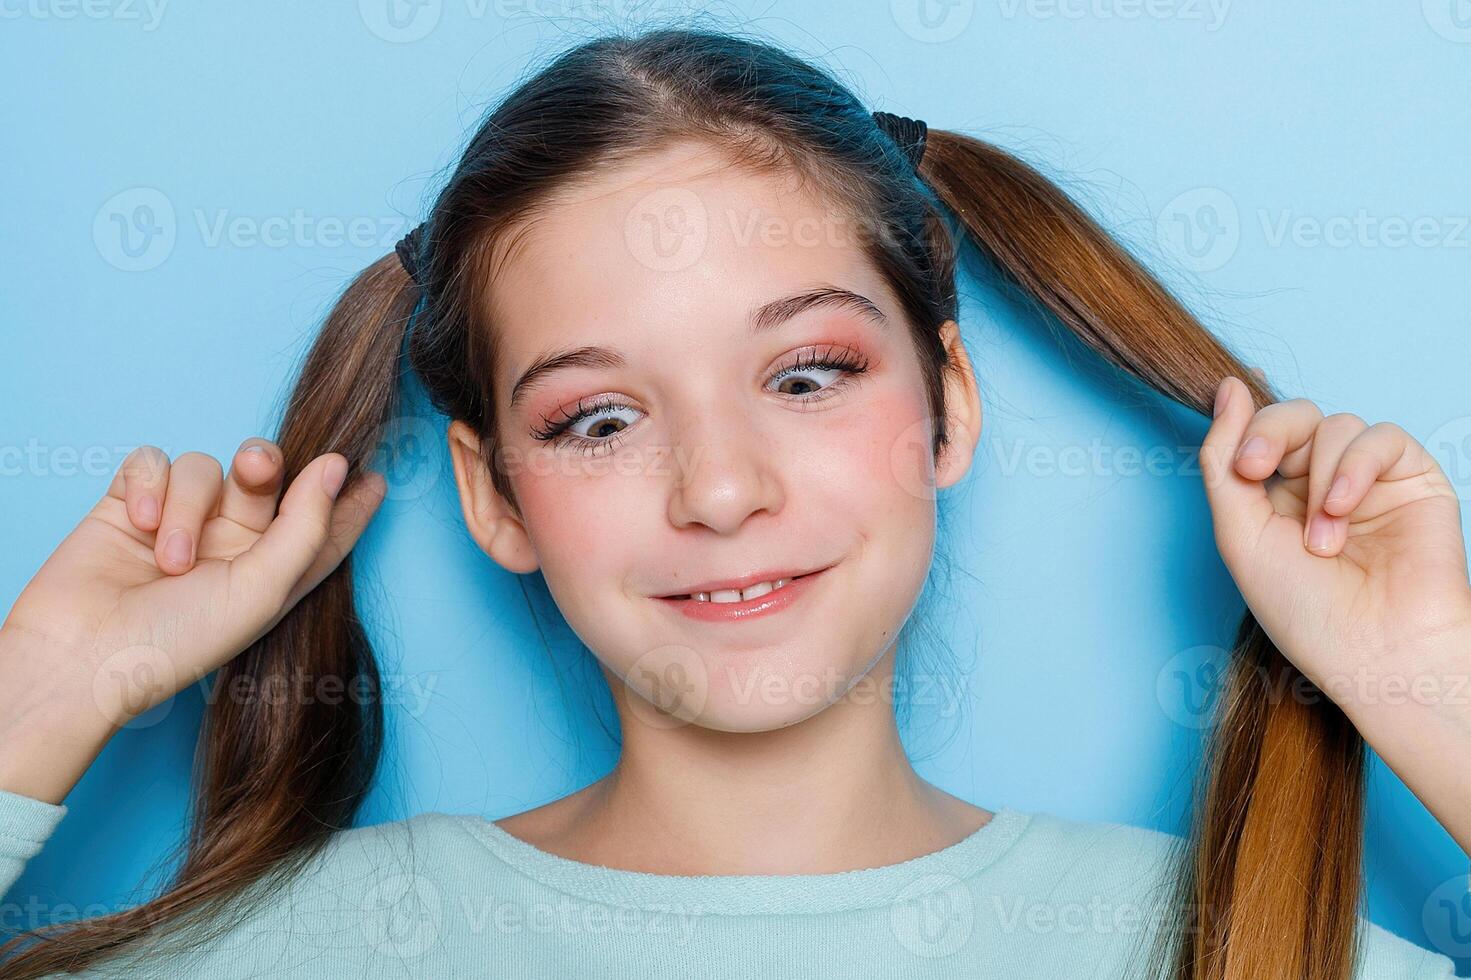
716, 585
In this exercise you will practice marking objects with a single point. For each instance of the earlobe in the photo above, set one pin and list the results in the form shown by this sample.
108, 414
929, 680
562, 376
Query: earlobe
488, 516
962, 410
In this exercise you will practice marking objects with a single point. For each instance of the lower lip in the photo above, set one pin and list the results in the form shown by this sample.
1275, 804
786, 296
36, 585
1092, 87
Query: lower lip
729, 612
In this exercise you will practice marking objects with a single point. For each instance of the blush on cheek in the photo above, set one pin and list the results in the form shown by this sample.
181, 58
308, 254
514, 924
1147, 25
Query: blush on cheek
872, 450
570, 502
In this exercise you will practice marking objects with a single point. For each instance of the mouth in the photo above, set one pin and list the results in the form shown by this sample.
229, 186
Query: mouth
758, 595
742, 589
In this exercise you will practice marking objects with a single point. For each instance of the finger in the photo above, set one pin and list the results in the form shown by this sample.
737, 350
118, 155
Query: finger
1275, 438
140, 483
254, 485
1324, 534
1375, 453
1335, 434
193, 489
355, 507
1240, 508
271, 566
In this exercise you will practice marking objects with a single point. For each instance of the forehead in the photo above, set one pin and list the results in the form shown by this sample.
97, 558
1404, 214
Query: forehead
673, 247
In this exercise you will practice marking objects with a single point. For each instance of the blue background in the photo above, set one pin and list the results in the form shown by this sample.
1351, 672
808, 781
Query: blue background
1257, 154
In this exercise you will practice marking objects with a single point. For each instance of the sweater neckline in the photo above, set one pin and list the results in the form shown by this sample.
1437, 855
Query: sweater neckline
761, 894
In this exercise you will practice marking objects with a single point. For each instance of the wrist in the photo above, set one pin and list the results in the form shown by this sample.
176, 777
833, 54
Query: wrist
1399, 677
51, 726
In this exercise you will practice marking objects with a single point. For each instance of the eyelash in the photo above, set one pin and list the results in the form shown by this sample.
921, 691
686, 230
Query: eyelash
845, 359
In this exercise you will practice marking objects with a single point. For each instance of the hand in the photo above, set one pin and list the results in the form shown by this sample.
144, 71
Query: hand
175, 571
1345, 540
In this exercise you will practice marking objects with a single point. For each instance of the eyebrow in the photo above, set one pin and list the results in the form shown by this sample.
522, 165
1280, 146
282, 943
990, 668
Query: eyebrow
763, 319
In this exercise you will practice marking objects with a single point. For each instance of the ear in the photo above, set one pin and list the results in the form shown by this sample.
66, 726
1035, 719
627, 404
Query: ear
490, 518
962, 410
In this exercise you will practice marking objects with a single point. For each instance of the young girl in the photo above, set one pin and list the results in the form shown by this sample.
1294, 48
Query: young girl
690, 311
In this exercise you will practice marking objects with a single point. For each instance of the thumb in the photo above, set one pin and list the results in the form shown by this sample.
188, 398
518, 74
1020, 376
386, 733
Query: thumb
1240, 508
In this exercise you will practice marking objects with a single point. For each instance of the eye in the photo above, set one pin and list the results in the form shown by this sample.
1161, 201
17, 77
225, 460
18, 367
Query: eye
820, 373
596, 426
603, 419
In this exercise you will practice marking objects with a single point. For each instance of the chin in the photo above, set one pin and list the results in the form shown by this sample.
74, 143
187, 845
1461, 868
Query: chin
771, 691
755, 690
742, 720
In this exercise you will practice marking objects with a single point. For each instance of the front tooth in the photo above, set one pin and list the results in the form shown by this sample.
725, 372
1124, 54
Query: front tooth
754, 591
741, 595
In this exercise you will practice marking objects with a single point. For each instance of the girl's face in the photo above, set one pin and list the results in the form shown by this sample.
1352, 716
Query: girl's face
743, 403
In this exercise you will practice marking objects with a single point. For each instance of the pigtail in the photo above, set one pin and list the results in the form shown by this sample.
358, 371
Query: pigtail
1268, 879
275, 777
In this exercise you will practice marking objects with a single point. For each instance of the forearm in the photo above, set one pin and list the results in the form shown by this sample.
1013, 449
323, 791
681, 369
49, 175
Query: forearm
1418, 720
51, 728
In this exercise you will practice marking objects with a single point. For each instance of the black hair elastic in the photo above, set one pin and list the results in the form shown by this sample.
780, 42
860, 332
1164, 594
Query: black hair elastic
909, 134
408, 249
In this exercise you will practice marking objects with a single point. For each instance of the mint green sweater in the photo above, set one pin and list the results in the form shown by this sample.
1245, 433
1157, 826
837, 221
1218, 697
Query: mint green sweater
1028, 896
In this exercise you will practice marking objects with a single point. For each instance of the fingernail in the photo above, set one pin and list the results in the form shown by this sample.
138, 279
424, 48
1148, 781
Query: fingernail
1339, 488
258, 449
1254, 447
1220, 399
148, 508
179, 547
332, 476
1320, 533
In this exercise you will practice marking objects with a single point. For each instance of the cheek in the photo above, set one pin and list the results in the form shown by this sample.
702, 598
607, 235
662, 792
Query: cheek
591, 521
582, 515
870, 473
868, 459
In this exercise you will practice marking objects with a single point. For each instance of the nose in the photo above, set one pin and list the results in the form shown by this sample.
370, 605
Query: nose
724, 472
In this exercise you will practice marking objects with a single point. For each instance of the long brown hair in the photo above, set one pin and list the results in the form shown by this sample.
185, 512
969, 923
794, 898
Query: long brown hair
1279, 802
